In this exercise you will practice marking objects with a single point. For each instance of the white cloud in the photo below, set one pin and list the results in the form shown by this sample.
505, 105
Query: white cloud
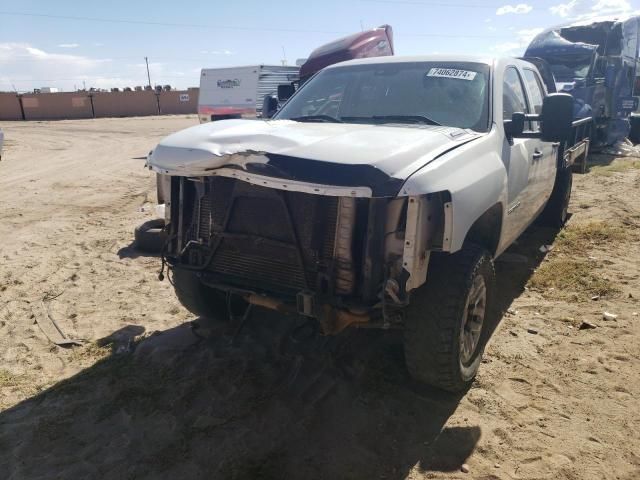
525, 36
515, 48
506, 48
611, 6
596, 10
68, 45
217, 52
564, 9
520, 8
28, 67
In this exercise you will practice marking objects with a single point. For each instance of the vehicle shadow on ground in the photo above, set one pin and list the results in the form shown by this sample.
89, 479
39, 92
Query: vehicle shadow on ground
275, 401
517, 264
193, 403
132, 251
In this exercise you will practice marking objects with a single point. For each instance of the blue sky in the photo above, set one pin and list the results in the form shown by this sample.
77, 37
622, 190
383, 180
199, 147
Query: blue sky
182, 37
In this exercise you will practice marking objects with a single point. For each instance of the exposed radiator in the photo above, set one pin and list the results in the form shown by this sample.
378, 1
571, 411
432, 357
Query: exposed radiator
264, 238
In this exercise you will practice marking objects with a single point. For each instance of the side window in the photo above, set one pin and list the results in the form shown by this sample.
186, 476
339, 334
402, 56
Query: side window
536, 93
513, 96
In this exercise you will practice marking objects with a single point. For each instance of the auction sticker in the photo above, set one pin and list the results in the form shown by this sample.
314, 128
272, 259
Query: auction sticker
451, 73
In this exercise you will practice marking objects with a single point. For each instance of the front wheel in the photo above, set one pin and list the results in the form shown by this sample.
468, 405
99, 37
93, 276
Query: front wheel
448, 319
196, 297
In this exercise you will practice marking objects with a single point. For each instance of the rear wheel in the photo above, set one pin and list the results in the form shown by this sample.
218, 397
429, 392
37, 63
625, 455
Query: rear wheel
447, 319
198, 298
556, 211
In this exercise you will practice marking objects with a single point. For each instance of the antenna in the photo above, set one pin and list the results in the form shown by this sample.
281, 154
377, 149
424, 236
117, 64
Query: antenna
284, 57
361, 26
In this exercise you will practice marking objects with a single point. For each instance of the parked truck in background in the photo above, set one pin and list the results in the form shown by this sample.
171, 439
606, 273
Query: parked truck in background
377, 196
238, 92
597, 63
376, 42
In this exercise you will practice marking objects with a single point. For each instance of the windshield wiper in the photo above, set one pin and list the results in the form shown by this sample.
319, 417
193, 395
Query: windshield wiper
317, 118
396, 119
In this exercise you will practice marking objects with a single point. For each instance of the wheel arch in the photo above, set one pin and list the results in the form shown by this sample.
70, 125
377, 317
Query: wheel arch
486, 231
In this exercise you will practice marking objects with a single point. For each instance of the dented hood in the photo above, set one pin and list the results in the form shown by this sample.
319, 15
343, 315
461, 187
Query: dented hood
328, 153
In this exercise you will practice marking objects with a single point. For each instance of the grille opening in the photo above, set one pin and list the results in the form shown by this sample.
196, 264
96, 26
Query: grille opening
258, 237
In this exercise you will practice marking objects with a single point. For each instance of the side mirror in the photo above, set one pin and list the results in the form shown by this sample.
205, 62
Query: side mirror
285, 92
269, 106
556, 117
514, 127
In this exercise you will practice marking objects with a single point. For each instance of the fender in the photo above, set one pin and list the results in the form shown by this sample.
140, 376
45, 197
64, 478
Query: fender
474, 175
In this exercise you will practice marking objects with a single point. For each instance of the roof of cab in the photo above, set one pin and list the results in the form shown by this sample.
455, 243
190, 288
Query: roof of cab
415, 58
429, 58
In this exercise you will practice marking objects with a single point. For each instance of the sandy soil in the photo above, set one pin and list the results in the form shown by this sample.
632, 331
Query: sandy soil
552, 400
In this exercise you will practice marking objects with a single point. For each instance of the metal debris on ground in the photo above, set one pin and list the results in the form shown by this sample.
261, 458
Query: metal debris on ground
587, 325
622, 148
55, 335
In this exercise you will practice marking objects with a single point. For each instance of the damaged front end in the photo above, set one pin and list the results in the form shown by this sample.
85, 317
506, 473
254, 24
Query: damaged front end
339, 256
291, 216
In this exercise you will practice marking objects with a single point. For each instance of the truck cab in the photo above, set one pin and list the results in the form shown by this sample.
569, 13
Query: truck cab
378, 196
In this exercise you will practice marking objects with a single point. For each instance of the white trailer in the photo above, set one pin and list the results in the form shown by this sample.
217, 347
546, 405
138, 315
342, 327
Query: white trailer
238, 92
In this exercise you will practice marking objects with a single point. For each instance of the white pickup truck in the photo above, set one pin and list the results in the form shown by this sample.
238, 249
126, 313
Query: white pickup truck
378, 196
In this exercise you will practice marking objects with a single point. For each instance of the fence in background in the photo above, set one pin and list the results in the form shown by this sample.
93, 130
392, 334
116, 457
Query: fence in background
69, 105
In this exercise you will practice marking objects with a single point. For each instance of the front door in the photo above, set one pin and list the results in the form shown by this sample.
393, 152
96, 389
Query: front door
519, 156
544, 159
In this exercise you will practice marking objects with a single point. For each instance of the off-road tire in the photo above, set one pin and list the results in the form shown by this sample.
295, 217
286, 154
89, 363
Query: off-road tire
555, 212
150, 236
196, 297
435, 317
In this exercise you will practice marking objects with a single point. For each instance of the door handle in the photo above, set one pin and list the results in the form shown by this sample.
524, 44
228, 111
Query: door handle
537, 154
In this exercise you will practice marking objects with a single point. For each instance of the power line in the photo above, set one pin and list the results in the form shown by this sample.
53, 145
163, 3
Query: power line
227, 27
163, 24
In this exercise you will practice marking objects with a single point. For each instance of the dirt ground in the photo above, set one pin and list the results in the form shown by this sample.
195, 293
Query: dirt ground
152, 395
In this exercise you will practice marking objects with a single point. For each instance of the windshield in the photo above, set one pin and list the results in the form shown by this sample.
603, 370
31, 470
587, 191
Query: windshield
569, 67
431, 93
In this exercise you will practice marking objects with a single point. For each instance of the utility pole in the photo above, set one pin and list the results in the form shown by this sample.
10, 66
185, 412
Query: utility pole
146, 60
